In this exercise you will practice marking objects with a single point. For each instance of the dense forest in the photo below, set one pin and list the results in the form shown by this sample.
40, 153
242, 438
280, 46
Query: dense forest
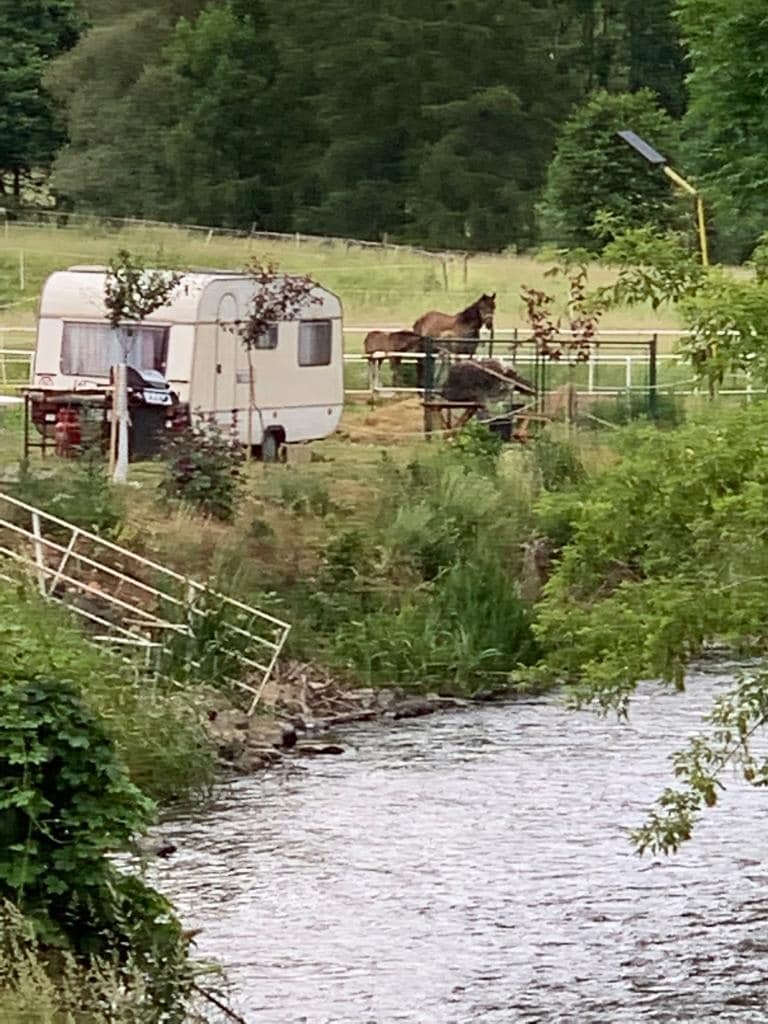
464, 124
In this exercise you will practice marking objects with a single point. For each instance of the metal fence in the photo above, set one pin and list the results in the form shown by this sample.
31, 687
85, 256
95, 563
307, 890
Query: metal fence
129, 600
618, 361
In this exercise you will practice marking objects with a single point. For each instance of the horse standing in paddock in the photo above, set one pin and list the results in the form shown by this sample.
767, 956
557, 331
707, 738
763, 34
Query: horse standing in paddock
465, 324
392, 341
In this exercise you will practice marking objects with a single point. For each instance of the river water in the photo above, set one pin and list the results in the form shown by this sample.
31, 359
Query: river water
474, 867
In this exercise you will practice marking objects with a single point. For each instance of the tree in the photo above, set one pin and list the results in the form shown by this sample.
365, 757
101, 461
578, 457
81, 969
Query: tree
131, 293
595, 172
725, 125
655, 58
33, 34
116, 96
665, 552
223, 67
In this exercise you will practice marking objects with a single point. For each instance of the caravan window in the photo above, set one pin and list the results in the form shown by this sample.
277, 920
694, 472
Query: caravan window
314, 343
90, 350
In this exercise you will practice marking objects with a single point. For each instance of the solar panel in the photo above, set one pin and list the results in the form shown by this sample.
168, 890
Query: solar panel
643, 148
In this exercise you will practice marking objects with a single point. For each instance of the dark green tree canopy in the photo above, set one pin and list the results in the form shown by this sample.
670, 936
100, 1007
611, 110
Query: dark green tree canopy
32, 34
594, 171
406, 118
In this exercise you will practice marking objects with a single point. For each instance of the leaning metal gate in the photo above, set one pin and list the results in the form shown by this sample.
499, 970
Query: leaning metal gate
130, 601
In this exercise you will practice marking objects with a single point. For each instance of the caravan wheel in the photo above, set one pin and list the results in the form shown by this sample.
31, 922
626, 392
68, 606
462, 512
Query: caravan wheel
270, 446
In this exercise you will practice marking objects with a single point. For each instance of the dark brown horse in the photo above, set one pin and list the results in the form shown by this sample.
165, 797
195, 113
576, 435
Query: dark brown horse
484, 380
465, 324
388, 342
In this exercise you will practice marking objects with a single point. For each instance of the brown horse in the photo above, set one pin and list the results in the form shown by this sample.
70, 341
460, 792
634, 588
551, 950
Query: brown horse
391, 341
465, 324
483, 380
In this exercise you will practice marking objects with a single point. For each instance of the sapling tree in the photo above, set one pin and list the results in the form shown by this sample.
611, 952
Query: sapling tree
275, 297
131, 293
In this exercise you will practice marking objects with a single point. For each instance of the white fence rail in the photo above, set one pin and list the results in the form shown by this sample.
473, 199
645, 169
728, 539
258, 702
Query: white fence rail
129, 600
16, 363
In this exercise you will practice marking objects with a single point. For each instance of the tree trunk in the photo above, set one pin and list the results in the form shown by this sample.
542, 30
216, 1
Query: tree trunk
120, 410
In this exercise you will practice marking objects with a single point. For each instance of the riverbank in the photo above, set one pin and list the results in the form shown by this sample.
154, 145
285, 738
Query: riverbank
304, 706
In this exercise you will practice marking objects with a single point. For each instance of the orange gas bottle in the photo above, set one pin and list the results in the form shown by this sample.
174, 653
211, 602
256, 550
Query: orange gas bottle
66, 433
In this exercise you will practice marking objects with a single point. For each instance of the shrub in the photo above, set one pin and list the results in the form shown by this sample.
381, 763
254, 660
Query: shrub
159, 736
477, 446
78, 491
65, 802
203, 466
557, 462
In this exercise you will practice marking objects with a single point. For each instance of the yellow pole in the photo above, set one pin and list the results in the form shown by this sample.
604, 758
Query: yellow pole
702, 231
702, 228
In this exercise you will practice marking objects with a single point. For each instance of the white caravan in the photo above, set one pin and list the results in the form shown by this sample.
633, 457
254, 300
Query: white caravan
289, 388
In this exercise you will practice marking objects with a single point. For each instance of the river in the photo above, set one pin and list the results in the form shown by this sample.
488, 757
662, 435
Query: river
474, 867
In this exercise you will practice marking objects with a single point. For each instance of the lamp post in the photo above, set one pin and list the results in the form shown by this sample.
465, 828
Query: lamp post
657, 160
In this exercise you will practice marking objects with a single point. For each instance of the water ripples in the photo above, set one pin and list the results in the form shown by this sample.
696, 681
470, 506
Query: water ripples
475, 868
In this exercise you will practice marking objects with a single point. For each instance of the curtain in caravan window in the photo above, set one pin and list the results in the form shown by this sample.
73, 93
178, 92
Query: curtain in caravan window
314, 343
90, 350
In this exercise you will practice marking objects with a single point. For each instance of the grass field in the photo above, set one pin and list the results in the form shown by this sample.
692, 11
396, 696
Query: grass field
381, 288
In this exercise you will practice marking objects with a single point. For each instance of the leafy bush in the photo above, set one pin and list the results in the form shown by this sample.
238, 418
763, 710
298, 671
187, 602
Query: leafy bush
65, 803
159, 736
477, 446
203, 466
666, 551
78, 490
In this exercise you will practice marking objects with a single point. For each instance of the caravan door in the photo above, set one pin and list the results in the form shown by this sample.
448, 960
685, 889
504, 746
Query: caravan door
225, 370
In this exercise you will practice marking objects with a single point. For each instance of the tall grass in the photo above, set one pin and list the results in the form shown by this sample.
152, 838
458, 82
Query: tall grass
158, 734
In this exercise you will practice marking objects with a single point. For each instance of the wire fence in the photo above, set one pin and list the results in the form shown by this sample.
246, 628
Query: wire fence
618, 362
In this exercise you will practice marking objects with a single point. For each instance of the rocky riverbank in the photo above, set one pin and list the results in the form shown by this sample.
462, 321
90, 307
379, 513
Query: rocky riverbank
300, 707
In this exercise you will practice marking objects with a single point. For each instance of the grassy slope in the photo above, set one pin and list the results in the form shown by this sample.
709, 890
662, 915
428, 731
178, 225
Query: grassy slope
378, 288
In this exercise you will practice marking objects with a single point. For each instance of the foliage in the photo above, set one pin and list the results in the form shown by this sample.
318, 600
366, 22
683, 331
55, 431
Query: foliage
478, 447
726, 317
653, 266
628, 406
552, 339
65, 803
557, 463
204, 467
78, 491
667, 552
175, 109
458, 632
725, 121
593, 171
30, 132
305, 495
276, 297
131, 292
222, 68
158, 735
642, 583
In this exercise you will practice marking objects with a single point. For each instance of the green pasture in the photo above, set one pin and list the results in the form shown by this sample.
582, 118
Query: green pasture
378, 287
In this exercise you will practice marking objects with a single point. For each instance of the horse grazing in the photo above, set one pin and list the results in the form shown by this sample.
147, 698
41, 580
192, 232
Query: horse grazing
392, 341
465, 324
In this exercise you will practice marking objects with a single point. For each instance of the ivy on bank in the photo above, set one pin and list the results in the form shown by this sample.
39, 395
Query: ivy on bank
65, 803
